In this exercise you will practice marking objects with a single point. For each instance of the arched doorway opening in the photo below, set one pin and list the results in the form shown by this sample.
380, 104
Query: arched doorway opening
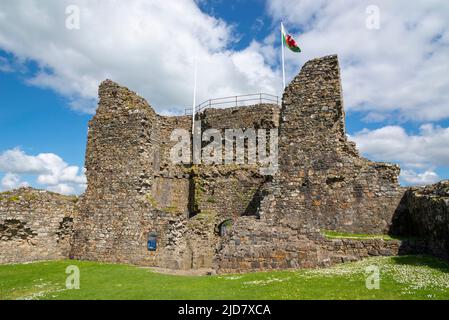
224, 228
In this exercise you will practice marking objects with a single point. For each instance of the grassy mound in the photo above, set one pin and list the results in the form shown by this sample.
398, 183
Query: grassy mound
405, 277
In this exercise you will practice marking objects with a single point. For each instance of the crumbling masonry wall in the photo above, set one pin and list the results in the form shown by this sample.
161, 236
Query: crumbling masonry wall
322, 184
35, 225
224, 193
255, 244
123, 162
232, 190
134, 189
424, 214
322, 181
226, 217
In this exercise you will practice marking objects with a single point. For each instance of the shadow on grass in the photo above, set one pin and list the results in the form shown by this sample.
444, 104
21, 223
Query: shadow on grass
423, 260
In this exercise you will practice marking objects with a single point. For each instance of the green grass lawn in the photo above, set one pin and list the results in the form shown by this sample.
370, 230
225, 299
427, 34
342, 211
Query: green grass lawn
357, 236
405, 277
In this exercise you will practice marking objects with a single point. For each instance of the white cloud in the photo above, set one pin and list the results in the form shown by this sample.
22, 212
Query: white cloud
401, 67
12, 181
148, 46
399, 70
423, 151
62, 188
410, 177
393, 143
52, 172
16, 161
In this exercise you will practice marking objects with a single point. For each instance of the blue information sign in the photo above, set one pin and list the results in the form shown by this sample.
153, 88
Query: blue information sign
152, 244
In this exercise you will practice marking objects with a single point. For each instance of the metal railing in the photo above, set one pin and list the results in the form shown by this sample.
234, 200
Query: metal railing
235, 101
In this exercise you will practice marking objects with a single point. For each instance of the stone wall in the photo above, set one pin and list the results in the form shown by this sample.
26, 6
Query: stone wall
227, 217
134, 189
322, 184
35, 225
264, 116
424, 214
322, 181
254, 245
123, 161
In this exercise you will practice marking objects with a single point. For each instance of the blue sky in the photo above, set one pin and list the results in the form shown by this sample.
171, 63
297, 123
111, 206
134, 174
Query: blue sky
394, 76
248, 16
38, 120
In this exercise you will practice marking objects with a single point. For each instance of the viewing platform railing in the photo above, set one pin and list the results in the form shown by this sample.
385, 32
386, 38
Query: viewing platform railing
236, 101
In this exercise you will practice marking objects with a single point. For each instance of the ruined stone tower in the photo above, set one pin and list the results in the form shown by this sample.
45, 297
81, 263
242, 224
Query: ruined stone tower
134, 190
322, 183
322, 180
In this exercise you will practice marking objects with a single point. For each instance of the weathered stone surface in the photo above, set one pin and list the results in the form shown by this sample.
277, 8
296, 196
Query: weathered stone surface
322, 181
226, 217
35, 225
255, 245
134, 189
424, 214
122, 204
264, 116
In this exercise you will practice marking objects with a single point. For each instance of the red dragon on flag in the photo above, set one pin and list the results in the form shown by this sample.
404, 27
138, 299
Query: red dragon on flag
290, 42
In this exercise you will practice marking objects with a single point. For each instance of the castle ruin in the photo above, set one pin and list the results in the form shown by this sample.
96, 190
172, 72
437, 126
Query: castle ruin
229, 218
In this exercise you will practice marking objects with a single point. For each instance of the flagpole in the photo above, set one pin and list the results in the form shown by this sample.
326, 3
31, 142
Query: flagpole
194, 95
283, 57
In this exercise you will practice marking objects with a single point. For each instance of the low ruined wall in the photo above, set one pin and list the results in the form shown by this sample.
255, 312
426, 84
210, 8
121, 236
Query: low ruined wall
332, 251
254, 245
35, 225
425, 215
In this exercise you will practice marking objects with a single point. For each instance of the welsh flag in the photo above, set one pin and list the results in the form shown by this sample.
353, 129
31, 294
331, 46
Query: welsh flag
289, 41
